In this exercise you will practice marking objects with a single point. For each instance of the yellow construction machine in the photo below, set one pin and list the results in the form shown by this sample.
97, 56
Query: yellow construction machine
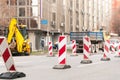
19, 43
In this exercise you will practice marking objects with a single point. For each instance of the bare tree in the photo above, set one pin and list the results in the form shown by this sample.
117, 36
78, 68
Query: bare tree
116, 21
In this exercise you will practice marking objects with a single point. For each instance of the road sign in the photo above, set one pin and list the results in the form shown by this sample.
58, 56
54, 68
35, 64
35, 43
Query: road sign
92, 35
44, 22
77, 35
99, 35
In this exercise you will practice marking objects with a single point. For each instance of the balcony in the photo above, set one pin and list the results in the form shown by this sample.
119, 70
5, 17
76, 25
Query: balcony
62, 24
53, 23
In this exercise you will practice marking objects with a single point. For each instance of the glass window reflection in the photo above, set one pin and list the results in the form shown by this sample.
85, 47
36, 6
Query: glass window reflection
34, 11
34, 2
22, 2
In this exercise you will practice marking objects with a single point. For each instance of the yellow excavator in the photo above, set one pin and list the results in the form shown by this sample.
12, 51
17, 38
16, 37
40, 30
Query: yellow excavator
18, 43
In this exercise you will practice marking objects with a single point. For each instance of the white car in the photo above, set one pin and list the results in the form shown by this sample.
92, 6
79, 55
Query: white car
69, 45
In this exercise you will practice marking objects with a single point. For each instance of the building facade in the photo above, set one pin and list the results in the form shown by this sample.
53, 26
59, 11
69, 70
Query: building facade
47, 19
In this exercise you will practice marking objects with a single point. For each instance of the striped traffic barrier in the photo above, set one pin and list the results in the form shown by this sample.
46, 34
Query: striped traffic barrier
86, 50
74, 47
112, 48
62, 54
118, 50
8, 60
50, 49
106, 51
90, 47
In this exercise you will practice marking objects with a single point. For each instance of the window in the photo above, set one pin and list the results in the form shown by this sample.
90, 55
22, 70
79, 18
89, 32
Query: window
33, 22
22, 2
34, 2
11, 2
77, 18
71, 4
77, 4
34, 11
21, 12
70, 17
54, 1
28, 2
54, 16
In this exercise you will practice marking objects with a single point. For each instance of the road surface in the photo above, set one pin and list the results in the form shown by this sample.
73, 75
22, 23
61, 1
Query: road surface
40, 68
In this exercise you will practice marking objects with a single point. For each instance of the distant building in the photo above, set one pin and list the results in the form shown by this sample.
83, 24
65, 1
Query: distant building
115, 17
60, 16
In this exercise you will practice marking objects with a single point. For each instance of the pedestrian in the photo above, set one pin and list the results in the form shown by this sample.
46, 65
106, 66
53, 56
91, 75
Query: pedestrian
42, 44
56, 46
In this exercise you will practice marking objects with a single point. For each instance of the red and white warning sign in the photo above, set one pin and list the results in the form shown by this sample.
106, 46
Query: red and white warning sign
6, 54
62, 50
50, 49
106, 51
62, 53
74, 47
86, 50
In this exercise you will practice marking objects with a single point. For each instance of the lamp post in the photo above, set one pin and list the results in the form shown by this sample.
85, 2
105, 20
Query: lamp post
48, 25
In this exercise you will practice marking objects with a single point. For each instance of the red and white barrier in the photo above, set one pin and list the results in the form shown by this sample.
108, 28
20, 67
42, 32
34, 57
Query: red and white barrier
8, 60
62, 50
50, 49
106, 51
112, 48
90, 46
74, 47
118, 50
62, 54
86, 50
6, 54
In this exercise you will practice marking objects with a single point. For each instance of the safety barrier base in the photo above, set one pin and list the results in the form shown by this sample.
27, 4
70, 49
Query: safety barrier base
12, 75
86, 61
105, 59
73, 55
50, 55
61, 67
118, 56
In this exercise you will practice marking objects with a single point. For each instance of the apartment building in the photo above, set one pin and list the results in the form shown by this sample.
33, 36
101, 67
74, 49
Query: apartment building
47, 19
31, 13
115, 16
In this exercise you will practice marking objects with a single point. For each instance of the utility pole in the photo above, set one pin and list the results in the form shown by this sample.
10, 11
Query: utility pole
48, 25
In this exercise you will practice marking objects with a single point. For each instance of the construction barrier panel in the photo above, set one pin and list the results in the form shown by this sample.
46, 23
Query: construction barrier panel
112, 48
106, 51
62, 54
118, 50
86, 50
74, 47
8, 60
50, 49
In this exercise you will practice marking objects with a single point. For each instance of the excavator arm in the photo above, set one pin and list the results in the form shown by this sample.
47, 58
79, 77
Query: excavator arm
13, 31
12, 28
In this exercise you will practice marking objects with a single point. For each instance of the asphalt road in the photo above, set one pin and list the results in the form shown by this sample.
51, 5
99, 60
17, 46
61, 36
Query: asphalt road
40, 68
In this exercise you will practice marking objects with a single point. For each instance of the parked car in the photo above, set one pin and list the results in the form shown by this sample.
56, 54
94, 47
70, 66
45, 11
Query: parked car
69, 45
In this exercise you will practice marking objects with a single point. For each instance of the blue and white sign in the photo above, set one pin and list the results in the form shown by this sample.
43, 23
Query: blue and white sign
44, 22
